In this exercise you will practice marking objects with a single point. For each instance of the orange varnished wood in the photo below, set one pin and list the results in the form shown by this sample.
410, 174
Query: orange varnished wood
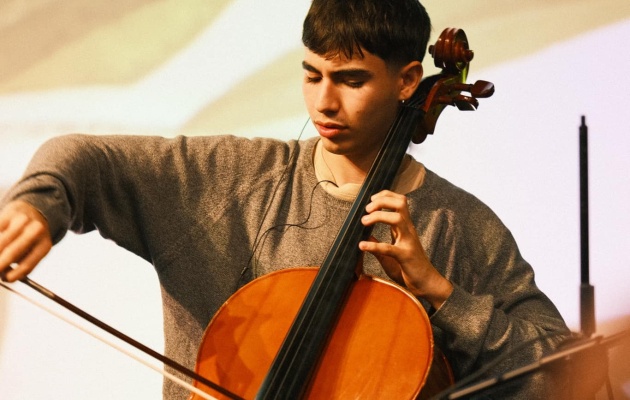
371, 354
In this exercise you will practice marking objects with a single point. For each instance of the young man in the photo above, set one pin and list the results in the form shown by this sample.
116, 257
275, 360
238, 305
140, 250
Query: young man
211, 213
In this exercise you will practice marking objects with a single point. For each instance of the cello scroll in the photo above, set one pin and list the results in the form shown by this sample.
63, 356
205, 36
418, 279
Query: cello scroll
436, 92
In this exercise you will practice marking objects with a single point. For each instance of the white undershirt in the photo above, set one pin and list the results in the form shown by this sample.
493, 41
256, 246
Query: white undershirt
409, 177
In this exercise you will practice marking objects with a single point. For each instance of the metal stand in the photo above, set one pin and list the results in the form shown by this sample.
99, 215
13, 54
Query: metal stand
580, 368
587, 291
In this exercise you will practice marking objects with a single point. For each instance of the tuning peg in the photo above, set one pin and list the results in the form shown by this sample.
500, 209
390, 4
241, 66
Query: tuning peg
482, 89
465, 103
478, 89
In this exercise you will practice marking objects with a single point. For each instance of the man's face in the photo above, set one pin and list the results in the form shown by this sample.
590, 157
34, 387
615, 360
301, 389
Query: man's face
352, 102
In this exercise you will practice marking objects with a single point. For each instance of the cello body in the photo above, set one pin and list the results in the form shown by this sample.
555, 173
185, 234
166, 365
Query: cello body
381, 347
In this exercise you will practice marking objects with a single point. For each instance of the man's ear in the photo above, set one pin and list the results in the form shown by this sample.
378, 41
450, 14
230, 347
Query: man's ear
411, 75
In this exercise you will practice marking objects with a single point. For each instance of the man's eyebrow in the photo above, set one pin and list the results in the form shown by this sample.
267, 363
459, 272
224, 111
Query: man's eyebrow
309, 67
352, 73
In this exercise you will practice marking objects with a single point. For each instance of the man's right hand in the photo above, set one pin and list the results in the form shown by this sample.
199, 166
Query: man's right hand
24, 240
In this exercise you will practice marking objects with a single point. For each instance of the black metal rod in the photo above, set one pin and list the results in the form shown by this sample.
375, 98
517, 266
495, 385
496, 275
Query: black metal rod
584, 239
587, 291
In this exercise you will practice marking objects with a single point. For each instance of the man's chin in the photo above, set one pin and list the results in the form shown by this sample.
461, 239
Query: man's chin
333, 146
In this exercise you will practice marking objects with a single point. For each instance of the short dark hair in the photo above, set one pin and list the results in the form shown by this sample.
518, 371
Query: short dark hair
395, 30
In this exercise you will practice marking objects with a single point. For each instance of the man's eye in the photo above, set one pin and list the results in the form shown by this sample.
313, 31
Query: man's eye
312, 79
354, 84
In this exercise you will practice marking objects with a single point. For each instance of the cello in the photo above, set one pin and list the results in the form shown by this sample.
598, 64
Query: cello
326, 332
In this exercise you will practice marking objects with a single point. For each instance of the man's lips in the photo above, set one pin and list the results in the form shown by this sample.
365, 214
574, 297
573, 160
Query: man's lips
329, 129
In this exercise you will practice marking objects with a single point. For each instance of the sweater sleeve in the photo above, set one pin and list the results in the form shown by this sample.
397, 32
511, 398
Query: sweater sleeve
84, 182
496, 312
145, 193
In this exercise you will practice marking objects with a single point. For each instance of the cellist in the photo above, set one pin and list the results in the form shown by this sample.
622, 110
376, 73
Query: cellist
212, 213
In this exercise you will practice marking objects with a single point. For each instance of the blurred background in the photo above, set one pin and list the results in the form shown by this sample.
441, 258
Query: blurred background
205, 67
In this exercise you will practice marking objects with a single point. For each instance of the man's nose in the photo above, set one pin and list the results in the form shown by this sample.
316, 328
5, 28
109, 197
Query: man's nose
327, 98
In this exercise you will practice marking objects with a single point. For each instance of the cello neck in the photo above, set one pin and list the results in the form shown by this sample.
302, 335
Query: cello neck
293, 366
290, 372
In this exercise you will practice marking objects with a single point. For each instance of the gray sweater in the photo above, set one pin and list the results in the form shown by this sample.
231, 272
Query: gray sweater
211, 213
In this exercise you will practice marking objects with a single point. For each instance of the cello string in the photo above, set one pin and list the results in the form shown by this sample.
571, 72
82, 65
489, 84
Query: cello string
108, 342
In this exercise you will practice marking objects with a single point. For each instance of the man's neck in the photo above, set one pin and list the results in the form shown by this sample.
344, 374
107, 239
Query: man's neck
347, 169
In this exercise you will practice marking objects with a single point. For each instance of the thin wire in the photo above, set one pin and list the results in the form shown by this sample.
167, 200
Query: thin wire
290, 164
263, 237
166, 374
